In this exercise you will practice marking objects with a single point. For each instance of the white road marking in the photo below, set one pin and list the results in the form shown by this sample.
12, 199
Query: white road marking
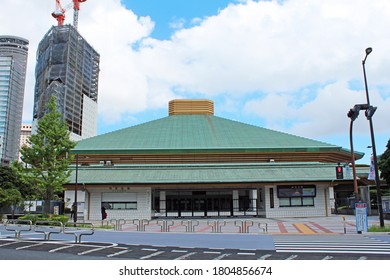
118, 253
28, 246
292, 257
246, 254
264, 257
221, 256
94, 250
10, 243
61, 248
185, 256
152, 255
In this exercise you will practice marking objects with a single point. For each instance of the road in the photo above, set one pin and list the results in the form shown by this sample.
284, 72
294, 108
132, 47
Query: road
193, 246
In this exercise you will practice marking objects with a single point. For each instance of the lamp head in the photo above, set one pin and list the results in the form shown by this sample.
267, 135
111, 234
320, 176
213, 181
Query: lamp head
368, 51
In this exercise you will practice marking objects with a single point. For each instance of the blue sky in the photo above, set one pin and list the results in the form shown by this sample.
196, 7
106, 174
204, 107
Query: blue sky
292, 66
168, 13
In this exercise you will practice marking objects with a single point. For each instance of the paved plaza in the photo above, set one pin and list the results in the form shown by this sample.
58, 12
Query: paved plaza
335, 224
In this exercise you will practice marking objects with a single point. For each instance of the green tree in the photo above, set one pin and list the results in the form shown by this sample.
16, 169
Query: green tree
47, 157
10, 188
384, 164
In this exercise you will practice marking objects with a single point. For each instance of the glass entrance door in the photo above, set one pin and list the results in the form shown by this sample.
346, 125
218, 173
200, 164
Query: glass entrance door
199, 204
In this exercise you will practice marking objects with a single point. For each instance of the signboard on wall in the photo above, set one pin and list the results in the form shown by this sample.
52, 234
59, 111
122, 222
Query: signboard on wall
386, 204
361, 217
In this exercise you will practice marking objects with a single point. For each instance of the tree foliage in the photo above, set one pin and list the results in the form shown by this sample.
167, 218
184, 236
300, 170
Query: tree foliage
11, 188
384, 164
46, 158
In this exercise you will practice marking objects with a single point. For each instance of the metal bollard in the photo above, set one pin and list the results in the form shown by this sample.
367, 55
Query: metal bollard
190, 226
216, 226
140, 224
264, 228
117, 223
245, 225
18, 226
165, 227
344, 225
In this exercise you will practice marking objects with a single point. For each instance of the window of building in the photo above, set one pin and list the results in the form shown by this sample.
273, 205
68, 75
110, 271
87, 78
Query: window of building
119, 201
296, 196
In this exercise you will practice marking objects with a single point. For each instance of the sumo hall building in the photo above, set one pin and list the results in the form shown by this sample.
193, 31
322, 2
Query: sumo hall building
195, 164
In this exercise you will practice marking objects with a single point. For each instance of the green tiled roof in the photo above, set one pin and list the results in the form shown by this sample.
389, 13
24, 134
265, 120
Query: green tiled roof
196, 134
204, 173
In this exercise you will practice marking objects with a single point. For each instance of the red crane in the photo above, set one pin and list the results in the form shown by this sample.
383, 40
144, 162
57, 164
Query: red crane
59, 13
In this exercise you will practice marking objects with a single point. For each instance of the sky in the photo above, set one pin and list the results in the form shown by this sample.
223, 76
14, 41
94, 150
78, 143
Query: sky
293, 66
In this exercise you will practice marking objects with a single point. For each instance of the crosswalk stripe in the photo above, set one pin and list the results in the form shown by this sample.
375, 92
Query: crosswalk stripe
355, 244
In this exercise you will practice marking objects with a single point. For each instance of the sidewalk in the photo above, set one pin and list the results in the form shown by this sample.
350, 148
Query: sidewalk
311, 225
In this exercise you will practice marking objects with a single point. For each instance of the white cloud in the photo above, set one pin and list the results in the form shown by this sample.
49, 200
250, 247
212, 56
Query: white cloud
276, 48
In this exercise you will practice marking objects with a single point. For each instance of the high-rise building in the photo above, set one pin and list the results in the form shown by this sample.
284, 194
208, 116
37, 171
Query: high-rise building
68, 68
25, 133
13, 64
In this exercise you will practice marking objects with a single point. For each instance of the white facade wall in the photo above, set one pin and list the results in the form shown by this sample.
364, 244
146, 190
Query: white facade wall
90, 116
321, 206
143, 210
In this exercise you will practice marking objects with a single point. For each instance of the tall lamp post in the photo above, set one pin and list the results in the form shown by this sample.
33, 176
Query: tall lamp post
353, 115
76, 189
369, 113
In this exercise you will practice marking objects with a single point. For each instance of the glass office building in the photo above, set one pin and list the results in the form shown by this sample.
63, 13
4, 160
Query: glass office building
13, 63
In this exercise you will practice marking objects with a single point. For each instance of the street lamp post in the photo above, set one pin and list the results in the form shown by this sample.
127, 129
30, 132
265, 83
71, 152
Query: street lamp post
369, 114
75, 189
355, 184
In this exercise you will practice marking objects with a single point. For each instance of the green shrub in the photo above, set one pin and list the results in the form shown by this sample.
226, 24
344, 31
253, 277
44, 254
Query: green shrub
379, 229
43, 217
59, 218
33, 217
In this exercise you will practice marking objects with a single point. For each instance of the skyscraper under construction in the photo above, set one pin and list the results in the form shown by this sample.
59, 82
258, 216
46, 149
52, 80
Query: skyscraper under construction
68, 69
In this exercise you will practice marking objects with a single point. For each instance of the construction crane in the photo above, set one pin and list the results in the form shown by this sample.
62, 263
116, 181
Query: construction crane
59, 13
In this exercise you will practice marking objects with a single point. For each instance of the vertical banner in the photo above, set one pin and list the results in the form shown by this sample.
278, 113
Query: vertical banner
371, 175
361, 217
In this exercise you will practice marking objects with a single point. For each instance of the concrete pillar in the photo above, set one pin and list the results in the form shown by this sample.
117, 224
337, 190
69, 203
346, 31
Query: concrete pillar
253, 199
163, 204
332, 201
235, 201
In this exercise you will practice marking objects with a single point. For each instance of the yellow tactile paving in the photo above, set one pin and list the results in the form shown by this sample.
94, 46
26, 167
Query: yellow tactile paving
304, 229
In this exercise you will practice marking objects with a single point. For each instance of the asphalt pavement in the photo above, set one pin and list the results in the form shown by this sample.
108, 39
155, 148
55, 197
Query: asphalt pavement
290, 238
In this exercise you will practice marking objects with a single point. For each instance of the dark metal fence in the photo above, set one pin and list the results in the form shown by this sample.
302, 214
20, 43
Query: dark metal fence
187, 207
